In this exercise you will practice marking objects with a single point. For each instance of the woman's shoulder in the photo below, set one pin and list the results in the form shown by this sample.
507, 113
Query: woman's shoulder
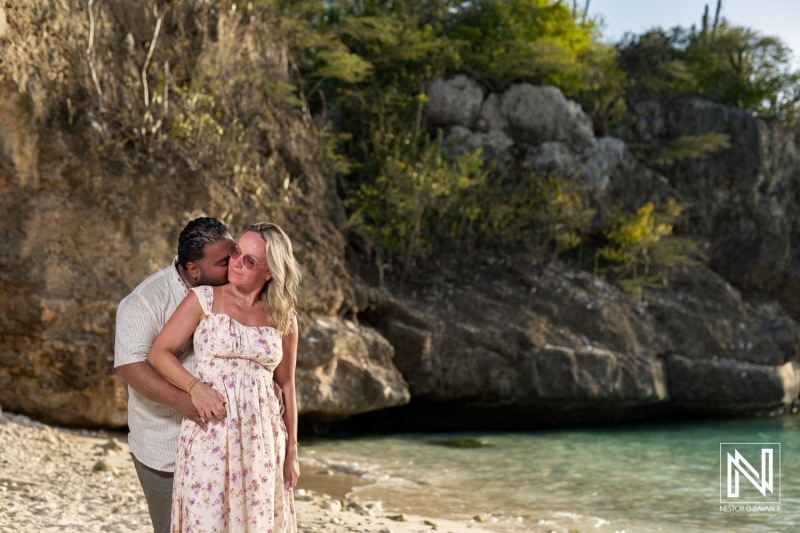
206, 294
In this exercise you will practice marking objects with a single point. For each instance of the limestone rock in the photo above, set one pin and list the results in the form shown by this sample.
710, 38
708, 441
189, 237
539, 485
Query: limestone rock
82, 227
411, 334
592, 376
413, 355
344, 369
730, 386
742, 198
104, 466
491, 117
455, 101
551, 347
113, 445
493, 143
541, 114
331, 505
3, 23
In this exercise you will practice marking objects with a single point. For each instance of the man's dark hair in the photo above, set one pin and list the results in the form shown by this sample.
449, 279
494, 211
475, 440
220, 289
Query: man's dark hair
198, 234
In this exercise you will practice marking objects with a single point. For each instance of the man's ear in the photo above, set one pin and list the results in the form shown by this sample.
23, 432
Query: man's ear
193, 271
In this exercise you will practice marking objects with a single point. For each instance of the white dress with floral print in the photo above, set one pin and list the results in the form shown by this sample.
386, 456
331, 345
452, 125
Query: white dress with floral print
230, 479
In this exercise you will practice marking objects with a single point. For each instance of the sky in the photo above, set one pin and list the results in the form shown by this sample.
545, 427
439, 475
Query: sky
780, 18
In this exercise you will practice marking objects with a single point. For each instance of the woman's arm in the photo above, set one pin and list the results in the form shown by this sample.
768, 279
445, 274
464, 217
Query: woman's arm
284, 377
173, 336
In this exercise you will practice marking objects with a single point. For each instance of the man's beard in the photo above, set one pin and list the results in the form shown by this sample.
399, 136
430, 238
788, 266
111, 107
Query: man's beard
205, 280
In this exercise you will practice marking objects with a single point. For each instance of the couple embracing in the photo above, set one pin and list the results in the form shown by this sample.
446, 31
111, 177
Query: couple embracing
208, 347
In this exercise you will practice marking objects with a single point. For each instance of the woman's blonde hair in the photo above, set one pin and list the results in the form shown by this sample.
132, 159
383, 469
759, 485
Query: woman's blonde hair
280, 292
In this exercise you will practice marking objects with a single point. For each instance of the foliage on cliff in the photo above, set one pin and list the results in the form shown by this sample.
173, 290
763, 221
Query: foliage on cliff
361, 69
733, 65
207, 88
642, 248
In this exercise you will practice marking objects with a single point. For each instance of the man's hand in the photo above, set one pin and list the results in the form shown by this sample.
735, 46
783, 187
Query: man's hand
209, 403
150, 384
190, 412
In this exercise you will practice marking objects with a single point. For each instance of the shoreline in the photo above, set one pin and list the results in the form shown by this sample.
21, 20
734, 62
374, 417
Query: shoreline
58, 479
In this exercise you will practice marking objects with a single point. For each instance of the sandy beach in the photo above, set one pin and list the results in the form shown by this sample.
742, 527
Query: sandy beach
56, 479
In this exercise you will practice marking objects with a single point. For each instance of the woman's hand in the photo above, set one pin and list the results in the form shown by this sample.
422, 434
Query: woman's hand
291, 467
210, 404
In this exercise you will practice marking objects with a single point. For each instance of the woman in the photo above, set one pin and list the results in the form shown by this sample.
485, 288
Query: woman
239, 474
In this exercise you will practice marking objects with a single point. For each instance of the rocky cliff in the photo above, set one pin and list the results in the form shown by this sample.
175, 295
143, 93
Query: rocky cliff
93, 199
95, 190
523, 347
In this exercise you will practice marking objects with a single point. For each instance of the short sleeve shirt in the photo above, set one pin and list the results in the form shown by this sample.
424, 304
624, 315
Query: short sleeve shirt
154, 427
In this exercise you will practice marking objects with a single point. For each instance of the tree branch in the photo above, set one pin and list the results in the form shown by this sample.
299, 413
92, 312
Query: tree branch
166, 89
90, 59
150, 56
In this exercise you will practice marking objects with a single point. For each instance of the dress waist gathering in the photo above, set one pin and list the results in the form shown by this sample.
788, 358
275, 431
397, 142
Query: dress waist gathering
233, 368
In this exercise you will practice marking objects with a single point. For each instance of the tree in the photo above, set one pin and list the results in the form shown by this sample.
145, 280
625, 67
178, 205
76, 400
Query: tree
733, 65
538, 41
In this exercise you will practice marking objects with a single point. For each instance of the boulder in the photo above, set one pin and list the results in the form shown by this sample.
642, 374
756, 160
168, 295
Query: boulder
455, 101
491, 117
344, 369
592, 377
731, 387
526, 348
553, 136
540, 114
595, 166
705, 317
494, 144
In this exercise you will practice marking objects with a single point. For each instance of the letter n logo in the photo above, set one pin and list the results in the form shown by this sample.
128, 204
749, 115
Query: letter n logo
736, 462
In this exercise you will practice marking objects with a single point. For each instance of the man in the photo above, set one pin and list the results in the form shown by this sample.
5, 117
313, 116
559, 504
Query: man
156, 407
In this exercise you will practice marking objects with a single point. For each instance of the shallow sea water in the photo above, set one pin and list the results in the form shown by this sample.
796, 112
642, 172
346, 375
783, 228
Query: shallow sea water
662, 477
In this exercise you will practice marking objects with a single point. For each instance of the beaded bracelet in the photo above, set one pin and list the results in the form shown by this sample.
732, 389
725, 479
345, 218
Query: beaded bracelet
192, 383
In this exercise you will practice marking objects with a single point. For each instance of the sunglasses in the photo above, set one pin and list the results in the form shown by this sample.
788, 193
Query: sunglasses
248, 260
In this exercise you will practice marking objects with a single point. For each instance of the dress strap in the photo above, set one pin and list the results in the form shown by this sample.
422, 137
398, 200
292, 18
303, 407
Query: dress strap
205, 294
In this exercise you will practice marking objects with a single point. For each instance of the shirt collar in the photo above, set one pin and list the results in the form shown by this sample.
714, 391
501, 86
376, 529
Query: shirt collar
175, 277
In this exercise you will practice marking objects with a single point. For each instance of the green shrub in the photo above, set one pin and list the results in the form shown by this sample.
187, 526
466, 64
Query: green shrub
400, 212
642, 247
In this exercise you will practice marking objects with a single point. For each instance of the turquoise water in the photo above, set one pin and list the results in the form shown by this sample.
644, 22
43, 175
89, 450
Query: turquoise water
663, 477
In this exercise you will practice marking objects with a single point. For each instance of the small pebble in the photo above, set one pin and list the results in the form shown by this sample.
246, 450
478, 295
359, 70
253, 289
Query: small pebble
114, 445
331, 505
104, 466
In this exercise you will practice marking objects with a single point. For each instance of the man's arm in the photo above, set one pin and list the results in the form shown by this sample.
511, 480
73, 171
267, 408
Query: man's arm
146, 381
137, 327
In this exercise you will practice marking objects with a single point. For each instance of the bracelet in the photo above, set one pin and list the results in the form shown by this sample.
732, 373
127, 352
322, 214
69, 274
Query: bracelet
192, 383
293, 442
